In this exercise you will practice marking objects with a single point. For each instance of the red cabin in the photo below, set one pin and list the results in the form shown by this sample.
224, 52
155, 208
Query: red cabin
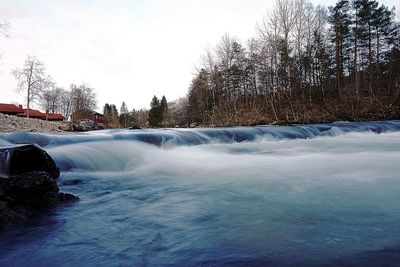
33, 113
55, 117
89, 115
96, 117
11, 109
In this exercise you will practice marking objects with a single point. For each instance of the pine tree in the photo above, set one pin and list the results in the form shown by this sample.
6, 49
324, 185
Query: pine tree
111, 115
164, 109
124, 115
199, 99
107, 113
340, 19
155, 113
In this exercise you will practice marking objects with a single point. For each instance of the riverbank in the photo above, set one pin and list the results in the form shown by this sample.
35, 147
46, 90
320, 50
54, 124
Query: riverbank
10, 123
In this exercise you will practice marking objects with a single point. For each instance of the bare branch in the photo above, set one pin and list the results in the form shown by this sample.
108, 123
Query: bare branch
32, 79
4, 27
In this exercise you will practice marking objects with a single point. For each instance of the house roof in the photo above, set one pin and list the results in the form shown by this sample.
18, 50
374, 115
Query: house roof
55, 116
33, 113
91, 112
10, 108
99, 114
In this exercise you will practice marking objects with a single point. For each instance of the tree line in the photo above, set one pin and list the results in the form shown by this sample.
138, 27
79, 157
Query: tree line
80, 100
306, 64
157, 116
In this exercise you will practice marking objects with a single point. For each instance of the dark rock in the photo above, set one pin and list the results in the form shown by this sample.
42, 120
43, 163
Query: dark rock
37, 191
66, 197
134, 127
6, 215
27, 195
19, 159
28, 184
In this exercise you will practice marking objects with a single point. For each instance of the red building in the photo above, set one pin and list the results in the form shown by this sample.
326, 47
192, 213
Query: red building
96, 117
11, 109
55, 117
88, 115
33, 113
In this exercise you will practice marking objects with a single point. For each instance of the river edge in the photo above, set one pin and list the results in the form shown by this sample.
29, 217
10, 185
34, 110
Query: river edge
12, 124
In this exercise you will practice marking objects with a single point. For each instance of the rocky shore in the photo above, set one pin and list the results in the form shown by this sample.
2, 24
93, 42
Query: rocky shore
10, 123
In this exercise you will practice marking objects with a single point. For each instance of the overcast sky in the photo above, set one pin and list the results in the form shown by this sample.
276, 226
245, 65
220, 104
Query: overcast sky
126, 50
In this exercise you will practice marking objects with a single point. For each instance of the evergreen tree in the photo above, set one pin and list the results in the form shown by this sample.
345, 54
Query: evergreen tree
164, 109
340, 20
114, 113
107, 113
124, 115
111, 115
123, 109
155, 113
198, 98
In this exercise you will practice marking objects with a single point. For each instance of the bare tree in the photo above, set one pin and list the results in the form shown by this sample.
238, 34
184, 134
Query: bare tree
285, 16
32, 80
65, 102
4, 26
224, 50
50, 99
83, 101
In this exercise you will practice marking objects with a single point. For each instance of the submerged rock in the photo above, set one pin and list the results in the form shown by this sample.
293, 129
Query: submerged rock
6, 215
28, 184
64, 197
26, 195
36, 191
72, 182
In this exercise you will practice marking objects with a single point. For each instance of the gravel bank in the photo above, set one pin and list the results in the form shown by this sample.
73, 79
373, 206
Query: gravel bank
9, 123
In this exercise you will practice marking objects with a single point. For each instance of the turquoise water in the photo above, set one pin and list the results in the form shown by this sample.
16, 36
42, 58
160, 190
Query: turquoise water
306, 195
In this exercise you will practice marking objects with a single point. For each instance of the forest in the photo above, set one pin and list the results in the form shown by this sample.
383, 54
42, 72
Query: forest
306, 64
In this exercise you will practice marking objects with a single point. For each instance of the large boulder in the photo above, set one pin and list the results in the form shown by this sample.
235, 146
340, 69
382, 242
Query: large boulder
28, 195
35, 191
66, 126
19, 159
28, 184
86, 125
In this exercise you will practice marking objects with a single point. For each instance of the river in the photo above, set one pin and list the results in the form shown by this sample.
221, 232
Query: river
313, 195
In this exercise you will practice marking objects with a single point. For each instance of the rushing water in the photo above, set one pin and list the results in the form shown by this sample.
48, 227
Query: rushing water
311, 195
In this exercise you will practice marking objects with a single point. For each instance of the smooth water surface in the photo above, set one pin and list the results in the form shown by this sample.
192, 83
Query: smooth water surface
310, 195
